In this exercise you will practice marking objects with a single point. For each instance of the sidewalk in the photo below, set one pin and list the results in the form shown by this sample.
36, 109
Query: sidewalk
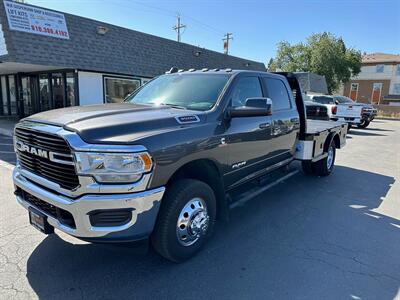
7, 126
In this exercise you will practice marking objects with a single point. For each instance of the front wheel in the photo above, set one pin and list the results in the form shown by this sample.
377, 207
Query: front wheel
363, 124
186, 220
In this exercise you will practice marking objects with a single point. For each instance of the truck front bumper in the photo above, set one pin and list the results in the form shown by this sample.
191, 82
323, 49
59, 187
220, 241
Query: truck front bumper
143, 206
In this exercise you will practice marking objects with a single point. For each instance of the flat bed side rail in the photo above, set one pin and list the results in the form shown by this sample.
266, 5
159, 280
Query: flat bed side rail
313, 146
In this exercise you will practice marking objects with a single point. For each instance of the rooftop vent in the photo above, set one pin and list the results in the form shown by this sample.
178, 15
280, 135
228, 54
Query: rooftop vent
102, 30
172, 70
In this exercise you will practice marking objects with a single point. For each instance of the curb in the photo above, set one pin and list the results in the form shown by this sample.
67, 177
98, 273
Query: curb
386, 118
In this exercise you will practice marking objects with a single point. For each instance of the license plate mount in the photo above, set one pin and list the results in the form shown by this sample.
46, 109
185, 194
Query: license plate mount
39, 221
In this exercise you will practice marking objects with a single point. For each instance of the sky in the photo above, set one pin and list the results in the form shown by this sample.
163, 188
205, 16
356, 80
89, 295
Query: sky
257, 26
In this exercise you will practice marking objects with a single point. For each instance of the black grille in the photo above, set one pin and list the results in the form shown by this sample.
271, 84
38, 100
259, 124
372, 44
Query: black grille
61, 215
112, 217
60, 173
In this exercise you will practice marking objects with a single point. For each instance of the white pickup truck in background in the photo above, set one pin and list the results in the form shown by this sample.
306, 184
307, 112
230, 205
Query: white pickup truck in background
345, 112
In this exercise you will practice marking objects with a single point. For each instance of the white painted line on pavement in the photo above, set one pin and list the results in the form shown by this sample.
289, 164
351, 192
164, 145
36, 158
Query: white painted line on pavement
6, 165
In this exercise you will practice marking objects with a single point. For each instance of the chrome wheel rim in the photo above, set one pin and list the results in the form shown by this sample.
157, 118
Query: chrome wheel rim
329, 160
192, 222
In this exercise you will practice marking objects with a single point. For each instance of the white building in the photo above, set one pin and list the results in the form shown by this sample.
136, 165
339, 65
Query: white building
378, 82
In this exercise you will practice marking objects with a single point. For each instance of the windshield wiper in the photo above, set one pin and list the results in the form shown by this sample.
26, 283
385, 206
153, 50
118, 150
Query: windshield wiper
173, 105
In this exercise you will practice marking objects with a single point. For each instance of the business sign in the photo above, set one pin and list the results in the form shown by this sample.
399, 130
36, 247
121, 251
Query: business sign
36, 20
3, 45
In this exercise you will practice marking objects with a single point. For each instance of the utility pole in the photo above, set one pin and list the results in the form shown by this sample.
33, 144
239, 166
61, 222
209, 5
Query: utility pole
178, 27
226, 39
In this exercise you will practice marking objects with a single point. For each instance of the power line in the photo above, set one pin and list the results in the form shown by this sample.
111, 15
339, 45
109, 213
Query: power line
226, 39
171, 13
178, 28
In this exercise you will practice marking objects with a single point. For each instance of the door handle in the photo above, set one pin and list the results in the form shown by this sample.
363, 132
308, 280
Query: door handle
264, 125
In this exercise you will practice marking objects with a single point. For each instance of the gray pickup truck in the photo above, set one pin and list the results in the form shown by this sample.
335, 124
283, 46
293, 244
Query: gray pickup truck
164, 165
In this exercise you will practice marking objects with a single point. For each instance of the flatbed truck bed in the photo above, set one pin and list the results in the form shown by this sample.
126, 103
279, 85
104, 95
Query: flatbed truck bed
318, 135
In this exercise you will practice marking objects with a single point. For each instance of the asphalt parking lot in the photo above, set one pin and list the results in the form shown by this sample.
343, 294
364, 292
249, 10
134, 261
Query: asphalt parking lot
306, 238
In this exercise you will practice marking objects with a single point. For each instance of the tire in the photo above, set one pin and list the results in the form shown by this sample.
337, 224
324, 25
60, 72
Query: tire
193, 204
348, 127
323, 167
363, 124
307, 167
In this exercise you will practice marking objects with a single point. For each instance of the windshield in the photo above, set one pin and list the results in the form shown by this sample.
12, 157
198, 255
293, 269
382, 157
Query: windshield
186, 91
344, 100
323, 99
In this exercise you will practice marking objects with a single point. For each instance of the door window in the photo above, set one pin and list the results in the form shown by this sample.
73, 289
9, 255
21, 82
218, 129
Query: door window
278, 93
354, 87
246, 87
377, 86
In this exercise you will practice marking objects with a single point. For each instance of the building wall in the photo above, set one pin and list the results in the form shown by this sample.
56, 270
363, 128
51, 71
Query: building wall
369, 73
390, 78
92, 89
365, 89
119, 50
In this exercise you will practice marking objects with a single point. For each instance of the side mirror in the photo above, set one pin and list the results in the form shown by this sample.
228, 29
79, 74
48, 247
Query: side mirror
255, 107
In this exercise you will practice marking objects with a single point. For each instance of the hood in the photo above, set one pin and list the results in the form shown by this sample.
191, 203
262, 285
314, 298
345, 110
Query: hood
118, 123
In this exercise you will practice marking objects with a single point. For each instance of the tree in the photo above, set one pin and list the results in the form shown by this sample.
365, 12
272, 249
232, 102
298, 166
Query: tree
323, 54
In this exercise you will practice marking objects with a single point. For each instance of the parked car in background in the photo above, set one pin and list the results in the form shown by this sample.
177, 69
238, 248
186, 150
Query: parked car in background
348, 113
316, 111
368, 111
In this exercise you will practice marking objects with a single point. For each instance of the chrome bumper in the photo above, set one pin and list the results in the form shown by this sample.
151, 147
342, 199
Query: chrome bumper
354, 121
144, 204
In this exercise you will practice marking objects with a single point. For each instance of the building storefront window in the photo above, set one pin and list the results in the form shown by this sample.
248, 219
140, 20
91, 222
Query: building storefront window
116, 89
58, 90
26, 95
4, 95
13, 94
71, 101
44, 90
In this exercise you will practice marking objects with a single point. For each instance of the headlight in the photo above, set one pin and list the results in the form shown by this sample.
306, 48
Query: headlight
113, 167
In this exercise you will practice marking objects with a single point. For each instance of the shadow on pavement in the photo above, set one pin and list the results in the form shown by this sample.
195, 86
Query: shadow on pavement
308, 237
377, 129
364, 133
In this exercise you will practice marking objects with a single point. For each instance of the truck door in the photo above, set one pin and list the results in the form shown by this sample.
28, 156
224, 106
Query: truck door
247, 138
285, 119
